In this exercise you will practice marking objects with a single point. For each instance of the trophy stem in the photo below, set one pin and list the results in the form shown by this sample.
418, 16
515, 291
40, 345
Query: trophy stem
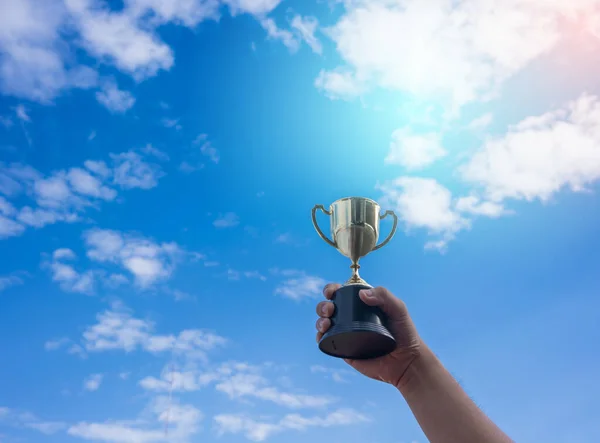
355, 279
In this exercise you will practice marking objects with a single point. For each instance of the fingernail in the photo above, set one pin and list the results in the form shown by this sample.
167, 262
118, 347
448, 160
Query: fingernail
367, 293
320, 325
324, 309
325, 289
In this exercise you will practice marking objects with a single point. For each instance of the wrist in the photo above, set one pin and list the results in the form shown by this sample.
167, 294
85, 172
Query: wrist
418, 373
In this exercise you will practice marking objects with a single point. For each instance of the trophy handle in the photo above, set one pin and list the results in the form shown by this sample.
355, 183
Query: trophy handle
314, 220
391, 234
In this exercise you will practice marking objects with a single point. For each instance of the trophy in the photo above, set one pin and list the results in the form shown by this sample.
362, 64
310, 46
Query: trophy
357, 331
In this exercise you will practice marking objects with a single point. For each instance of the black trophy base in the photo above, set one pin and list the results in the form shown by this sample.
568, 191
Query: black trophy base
357, 330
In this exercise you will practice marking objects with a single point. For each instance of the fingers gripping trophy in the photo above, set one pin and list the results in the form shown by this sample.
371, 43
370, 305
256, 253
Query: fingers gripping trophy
357, 331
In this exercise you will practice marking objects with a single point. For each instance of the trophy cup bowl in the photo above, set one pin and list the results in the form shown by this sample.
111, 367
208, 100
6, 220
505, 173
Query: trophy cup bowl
357, 331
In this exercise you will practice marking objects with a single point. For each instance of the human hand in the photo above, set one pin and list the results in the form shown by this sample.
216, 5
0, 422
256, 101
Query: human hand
391, 367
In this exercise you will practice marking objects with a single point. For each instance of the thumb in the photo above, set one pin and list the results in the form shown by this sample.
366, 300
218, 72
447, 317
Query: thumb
391, 305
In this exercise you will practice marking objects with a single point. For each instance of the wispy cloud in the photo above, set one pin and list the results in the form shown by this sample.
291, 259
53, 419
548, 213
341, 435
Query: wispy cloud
171, 123
260, 430
238, 381
337, 375
115, 99
93, 382
183, 421
206, 148
21, 419
227, 220
306, 27
201, 148
298, 285
414, 151
276, 33
7, 281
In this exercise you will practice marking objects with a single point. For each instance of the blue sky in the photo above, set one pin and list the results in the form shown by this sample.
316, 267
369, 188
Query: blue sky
159, 161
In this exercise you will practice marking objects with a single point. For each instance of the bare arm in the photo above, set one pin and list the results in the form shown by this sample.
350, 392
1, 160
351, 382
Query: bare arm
444, 411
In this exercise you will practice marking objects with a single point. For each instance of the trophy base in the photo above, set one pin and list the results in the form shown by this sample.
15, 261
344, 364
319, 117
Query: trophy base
357, 330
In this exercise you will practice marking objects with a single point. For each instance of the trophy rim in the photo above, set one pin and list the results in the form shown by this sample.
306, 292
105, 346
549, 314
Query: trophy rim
355, 198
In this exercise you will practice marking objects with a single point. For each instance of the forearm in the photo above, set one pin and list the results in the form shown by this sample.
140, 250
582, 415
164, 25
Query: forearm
444, 411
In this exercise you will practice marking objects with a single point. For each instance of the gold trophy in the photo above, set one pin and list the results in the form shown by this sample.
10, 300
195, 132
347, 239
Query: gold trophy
357, 331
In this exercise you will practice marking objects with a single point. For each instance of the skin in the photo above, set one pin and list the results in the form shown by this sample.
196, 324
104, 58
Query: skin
442, 408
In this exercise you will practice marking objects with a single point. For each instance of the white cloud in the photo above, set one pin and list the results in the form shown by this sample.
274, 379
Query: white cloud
84, 183
481, 122
208, 150
306, 27
425, 203
183, 422
93, 382
22, 113
405, 45
174, 381
10, 228
40, 39
117, 432
256, 430
422, 203
131, 171
298, 285
6, 208
116, 280
34, 63
66, 194
117, 38
241, 385
541, 155
340, 84
276, 33
473, 205
67, 276
98, 167
117, 329
227, 220
115, 99
54, 192
254, 7
237, 380
171, 123
28, 420
38, 218
147, 261
7, 281
63, 253
414, 151
186, 12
